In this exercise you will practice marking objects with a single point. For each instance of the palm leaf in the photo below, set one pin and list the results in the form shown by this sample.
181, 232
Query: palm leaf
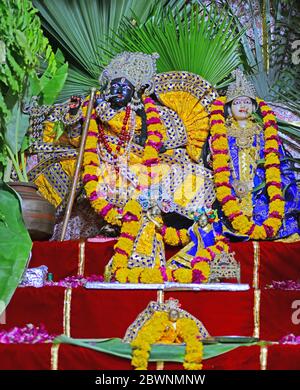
266, 54
203, 42
79, 26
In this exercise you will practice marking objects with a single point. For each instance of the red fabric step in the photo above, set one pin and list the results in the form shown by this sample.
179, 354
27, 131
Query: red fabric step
38, 357
277, 260
108, 313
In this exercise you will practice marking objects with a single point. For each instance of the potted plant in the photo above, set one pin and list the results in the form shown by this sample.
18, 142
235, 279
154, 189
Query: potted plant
28, 68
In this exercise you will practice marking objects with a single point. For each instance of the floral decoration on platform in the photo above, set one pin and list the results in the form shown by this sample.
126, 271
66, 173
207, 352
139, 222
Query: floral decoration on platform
29, 334
290, 339
284, 285
166, 323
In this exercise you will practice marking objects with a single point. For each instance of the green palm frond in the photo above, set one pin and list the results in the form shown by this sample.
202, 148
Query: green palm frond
267, 55
80, 25
203, 41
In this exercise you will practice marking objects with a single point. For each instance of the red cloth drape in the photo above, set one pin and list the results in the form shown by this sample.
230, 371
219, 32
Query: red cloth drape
277, 261
38, 357
108, 313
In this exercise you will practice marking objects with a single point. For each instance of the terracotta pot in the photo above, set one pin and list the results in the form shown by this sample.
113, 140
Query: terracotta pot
38, 213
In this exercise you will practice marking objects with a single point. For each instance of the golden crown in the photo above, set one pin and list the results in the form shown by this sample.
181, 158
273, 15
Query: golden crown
240, 87
138, 68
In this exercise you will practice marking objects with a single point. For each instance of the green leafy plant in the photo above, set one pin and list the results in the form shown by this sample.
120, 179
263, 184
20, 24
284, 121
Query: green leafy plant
15, 243
267, 51
80, 26
25, 52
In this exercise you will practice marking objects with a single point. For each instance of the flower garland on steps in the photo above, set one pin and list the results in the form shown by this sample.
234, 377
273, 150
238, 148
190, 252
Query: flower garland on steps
221, 168
153, 330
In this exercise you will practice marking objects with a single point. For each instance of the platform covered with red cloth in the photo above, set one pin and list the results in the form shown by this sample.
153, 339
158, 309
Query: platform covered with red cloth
261, 261
69, 357
82, 313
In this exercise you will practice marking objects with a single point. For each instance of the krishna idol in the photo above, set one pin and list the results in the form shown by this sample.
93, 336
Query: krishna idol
148, 176
142, 167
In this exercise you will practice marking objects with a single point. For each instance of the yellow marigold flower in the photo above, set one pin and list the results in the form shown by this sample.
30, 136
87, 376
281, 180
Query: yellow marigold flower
121, 275
151, 275
90, 187
218, 117
133, 226
99, 203
269, 117
270, 131
185, 239
149, 153
119, 261
192, 366
91, 142
154, 138
230, 207
124, 243
272, 191
89, 157
193, 358
273, 223
223, 192
278, 206
241, 223
218, 129
183, 275
112, 217
171, 237
220, 143
204, 267
93, 126
90, 170
221, 177
133, 206
271, 158
271, 144
151, 115
259, 233
149, 105
272, 172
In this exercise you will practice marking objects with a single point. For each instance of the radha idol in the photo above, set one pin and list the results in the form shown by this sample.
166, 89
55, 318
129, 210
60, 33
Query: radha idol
256, 190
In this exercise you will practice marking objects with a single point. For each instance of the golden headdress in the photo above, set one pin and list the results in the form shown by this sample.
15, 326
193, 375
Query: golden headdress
240, 87
138, 68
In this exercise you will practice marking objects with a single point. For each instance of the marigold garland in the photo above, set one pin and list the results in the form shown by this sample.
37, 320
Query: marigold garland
224, 189
175, 237
152, 332
130, 217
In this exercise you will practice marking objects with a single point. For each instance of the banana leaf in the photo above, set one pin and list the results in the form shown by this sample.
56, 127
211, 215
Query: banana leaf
15, 244
159, 352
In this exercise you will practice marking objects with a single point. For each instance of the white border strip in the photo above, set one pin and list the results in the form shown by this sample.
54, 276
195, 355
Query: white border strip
168, 286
